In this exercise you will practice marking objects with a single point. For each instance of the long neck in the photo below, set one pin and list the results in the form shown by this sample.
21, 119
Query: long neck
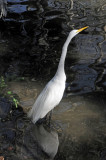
60, 69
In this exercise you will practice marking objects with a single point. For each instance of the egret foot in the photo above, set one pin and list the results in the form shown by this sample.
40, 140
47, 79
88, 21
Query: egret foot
49, 118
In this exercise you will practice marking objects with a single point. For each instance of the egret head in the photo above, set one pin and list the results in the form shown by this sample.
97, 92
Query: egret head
76, 31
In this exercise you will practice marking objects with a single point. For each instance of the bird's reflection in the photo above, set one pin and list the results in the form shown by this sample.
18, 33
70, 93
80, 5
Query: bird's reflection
47, 140
40, 142
3, 8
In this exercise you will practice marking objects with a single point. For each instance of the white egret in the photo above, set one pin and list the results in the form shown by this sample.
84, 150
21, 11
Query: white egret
52, 94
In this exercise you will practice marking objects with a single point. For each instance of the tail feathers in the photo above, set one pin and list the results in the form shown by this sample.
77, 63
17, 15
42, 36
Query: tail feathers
33, 115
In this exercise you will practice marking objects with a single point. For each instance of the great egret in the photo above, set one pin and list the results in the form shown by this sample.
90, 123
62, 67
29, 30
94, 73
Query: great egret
53, 91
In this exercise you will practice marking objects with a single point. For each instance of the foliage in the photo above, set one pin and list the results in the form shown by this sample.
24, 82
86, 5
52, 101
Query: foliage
2, 83
9, 94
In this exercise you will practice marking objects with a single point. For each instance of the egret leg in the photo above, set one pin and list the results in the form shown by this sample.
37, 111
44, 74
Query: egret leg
50, 117
43, 120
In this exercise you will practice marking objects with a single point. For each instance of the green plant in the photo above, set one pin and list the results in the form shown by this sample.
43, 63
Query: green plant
9, 94
14, 100
2, 83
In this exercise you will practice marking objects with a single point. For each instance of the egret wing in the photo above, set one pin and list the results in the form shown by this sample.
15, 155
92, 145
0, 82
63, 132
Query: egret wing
42, 103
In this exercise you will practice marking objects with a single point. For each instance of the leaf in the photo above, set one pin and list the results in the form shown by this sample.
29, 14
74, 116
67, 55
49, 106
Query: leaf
9, 92
15, 102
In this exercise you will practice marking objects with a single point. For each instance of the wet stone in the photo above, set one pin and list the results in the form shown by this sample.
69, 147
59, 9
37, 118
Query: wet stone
103, 155
5, 107
20, 124
8, 129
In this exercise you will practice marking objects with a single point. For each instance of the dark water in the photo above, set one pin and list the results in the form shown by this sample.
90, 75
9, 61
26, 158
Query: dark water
31, 38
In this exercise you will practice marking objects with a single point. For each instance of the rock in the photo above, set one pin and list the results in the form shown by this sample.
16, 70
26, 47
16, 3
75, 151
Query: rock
5, 107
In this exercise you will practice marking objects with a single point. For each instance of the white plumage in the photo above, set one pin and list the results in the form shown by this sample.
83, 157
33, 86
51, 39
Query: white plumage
53, 91
45, 101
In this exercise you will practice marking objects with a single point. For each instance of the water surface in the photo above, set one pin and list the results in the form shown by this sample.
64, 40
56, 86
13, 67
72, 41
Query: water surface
31, 39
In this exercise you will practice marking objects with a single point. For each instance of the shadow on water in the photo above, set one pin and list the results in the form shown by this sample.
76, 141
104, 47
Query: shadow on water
31, 37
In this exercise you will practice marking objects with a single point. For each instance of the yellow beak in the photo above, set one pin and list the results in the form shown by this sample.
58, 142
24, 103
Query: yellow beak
81, 29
